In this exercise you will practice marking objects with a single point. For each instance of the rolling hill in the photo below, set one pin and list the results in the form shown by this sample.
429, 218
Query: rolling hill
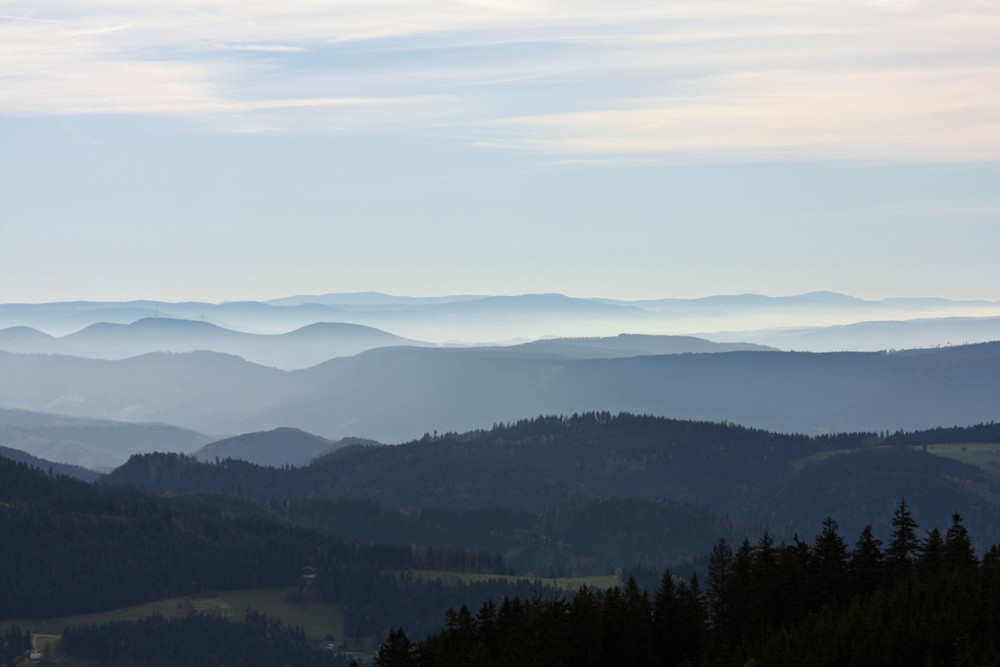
300, 348
276, 448
90, 443
77, 472
786, 483
875, 335
395, 394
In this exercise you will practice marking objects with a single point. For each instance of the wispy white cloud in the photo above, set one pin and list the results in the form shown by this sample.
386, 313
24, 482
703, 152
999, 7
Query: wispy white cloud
902, 114
775, 79
272, 48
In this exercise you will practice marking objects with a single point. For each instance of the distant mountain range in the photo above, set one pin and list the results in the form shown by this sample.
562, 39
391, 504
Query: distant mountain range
300, 348
395, 394
91, 443
83, 448
875, 335
629, 345
328, 365
472, 319
308, 346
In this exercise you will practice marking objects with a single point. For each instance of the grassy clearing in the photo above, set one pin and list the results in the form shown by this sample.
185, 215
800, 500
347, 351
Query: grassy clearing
168, 608
984, 455
560, 583
316, 618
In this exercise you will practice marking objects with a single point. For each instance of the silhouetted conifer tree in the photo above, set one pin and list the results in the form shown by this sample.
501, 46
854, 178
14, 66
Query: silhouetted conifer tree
904, 544
827, 564
866, 564
958, 549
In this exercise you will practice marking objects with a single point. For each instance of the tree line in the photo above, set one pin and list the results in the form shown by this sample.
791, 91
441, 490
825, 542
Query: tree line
756, 477
913, 600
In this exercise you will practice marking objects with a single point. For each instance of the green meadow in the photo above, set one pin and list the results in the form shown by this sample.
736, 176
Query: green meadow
984, 455
316, 618
572, 583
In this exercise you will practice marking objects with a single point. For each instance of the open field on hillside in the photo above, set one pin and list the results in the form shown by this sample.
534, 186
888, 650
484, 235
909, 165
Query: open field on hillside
572, 583
316, 618
985, 455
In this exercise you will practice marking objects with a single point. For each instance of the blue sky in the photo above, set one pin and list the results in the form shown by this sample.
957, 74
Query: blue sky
221, 150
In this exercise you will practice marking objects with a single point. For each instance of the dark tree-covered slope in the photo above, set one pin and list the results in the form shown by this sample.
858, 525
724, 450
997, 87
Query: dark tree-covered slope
758, 478
68, 548
596, 537
802, 602
526, 464
196, 640
54, 468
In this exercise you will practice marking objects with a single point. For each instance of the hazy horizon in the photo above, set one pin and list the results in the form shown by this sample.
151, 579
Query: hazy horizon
457, 295
818, 322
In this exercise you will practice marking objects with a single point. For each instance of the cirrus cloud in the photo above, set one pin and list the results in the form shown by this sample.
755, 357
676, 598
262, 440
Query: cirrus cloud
716, 80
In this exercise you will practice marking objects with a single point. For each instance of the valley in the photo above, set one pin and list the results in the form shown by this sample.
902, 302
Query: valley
362, 490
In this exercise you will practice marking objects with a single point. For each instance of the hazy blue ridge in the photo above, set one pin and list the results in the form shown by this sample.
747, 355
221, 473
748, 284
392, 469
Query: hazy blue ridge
398, 393
91, 443
78, 472
276, 448
299, 348
483, 318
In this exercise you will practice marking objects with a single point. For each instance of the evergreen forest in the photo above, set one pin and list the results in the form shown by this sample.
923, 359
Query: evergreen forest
704, 525
913, 600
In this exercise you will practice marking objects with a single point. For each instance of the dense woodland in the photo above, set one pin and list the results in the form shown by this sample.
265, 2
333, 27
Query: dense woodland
437, 490
14, 643
594, 537
910, 601
71, 548
553, 495
193, 641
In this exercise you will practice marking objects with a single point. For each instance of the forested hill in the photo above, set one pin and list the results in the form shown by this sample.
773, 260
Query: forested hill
69, 547
529, 463
757, 477
55, 468
919, 601
279, 447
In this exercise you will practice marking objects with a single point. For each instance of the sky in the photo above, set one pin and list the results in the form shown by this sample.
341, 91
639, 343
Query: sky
220, 150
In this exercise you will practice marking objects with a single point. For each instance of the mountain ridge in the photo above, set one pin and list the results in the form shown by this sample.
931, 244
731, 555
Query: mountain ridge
299, 348
275, 448
472, 318
393, 394
91, 443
